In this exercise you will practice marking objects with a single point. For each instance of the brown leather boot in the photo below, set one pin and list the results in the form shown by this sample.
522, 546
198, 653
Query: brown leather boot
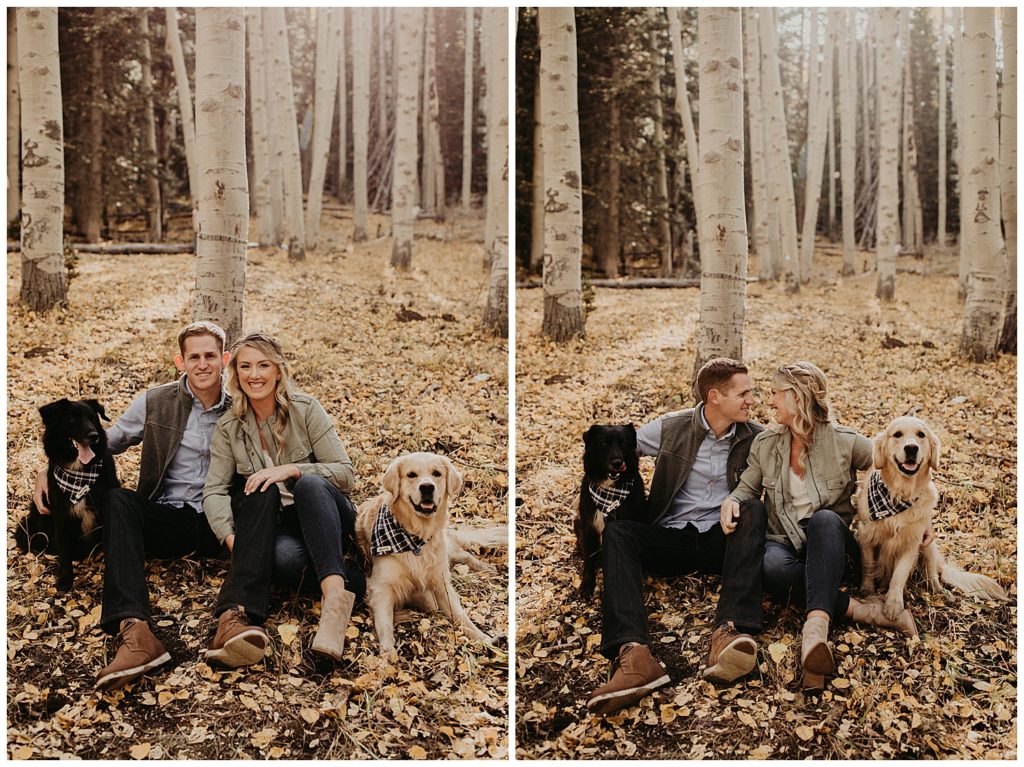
732, 655
815, 655
870, 612
138, 652
335, 612
636, 673
237, 642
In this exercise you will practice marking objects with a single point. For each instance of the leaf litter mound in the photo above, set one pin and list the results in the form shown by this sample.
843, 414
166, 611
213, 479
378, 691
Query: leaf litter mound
951, 694
392, 383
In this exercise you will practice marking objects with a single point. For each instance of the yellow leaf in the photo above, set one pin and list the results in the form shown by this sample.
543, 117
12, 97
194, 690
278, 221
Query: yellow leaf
249, 703
778, 651
668, 714
276, 752
841, 684
140, 751
262, 738
23, 752
165, 697
288, 632
804, 732
417, 752
761, 752
90, 620
747, 719
309, 715
351, 632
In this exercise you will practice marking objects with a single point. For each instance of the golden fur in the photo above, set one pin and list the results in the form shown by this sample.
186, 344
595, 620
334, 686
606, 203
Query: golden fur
422, 581
906, 453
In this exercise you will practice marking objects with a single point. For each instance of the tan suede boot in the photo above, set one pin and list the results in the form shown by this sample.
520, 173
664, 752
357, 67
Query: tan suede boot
335, 612
815, 655
870, 612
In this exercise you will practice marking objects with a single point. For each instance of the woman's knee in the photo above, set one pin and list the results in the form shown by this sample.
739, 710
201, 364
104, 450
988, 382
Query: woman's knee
309, 485
825, 521
781, 567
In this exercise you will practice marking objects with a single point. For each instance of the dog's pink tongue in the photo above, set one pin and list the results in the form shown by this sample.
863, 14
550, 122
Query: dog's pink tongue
85, 453
910, 466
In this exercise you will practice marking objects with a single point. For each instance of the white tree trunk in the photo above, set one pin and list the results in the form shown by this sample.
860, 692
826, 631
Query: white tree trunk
43, 285
724, 251
188, 129
782, 202
434, 188
265, 210
686, 115
327, 46
496, 311
912, 214
1008, 166
563, 208
404, 180
467, 113
986, 271
13, 122
940, 232
223, 183
660, 170
360, 116
537, 204
831, 170
888, 225
152, 169
383, 93
755, 116
425, 197
342, 107
848, 134
958, 151
286, 130
816, 139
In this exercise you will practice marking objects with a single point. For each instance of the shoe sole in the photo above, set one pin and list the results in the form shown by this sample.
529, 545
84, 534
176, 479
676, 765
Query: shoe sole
242, 650
818, 666
613, 701
733, 661
117, 679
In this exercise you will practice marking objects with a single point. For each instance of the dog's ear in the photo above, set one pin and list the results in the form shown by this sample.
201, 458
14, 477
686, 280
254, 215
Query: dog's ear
54, 408
878, 452
95, 405
392, 480
935, 447
589, 435
453, 483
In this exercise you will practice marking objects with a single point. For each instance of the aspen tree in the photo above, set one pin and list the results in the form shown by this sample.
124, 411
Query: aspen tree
13, 123
342, 106
537, 201
686, 115
913, 224
1008, 166
940, 233
495, 318
404, 176
755, 115
156, 229
188, 126
267, 207
888, 225
328, 45
660, 170
92, 194
848, 134
360, 117
467, 112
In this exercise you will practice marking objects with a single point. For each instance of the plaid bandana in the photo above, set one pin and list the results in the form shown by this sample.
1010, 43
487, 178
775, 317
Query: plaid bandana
389, 537
880, 503
78, 483
608, 499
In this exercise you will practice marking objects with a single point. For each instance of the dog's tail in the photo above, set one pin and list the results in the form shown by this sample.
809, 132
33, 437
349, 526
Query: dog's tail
489, 537
973, 584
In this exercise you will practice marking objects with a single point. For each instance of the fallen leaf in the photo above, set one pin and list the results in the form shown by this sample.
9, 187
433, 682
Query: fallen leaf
140, 750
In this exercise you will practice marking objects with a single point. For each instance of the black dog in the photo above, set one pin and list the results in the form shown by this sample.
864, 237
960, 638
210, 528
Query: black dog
79, 473
612, 488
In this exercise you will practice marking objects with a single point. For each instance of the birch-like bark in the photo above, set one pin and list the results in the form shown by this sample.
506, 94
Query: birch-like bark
563, 206
360, 117
724, 251
223, 183
848, 134
610, 241
404, 176
661, 205
913, 222
940, 231
958, 150
342, 107
425, 196
831, 154
686, 115
537, 202
986, 269
152, 170
888, 225
188, 126
495, 319
435, 190
92, 194
286, 130
755, 116
13, 122
267, 216
467, 112
43, 285
327, 47
1008, 168
383, 96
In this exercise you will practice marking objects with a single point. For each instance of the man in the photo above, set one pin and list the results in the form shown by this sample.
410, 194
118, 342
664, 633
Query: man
701, 453
164, 516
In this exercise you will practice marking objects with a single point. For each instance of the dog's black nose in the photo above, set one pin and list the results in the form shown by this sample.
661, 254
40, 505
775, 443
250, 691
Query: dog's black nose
618, 465
426, 490
910, 453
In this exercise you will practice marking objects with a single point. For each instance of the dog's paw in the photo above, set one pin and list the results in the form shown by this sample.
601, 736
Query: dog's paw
64, 583
892, 607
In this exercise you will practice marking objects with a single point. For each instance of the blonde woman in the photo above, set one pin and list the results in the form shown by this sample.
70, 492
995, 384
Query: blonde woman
806, 464
277, 466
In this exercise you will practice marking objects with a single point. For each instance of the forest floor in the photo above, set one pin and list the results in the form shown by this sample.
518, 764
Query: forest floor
950, 694
400, 363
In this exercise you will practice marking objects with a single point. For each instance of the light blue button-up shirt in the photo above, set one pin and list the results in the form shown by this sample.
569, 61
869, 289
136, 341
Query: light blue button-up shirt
186, 473
698, 501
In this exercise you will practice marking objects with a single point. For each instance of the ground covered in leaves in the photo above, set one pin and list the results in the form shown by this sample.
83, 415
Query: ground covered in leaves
950, 694
399, 362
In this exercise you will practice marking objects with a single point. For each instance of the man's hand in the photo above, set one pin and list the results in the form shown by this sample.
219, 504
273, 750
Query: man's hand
264, 478
729, 514
929, 536
39, 494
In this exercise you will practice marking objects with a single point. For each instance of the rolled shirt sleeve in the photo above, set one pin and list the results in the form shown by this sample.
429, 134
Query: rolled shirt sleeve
127, 430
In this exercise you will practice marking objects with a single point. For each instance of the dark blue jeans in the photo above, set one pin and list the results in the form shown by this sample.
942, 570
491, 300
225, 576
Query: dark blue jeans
628, 548
269, 538
812, 577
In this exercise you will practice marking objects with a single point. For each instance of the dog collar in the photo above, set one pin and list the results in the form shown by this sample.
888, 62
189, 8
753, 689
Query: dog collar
389, 537
608, 499
881, 504
78, 483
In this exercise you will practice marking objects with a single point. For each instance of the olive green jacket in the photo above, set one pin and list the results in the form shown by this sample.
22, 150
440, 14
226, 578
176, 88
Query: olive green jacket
830, 473
310, 442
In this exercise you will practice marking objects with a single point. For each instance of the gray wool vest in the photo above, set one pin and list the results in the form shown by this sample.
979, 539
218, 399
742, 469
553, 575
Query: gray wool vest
167, 411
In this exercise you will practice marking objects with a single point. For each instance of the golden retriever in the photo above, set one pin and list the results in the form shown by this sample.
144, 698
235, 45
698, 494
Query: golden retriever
409, 564
894, 507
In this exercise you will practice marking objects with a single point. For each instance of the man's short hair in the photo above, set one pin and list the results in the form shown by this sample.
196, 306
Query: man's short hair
715, 374
202, 328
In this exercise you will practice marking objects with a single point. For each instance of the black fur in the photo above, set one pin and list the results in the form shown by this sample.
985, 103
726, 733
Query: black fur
61, 532
609, 452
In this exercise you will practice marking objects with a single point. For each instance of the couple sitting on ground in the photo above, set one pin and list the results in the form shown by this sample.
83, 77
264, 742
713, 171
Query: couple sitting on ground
713, 465
256, 473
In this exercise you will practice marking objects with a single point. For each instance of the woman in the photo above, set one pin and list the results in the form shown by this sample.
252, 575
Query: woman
277, 470
807, 465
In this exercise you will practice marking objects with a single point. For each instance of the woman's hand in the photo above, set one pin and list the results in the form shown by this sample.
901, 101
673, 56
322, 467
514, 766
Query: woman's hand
264, 478
729, 514
39, 494
929, 536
